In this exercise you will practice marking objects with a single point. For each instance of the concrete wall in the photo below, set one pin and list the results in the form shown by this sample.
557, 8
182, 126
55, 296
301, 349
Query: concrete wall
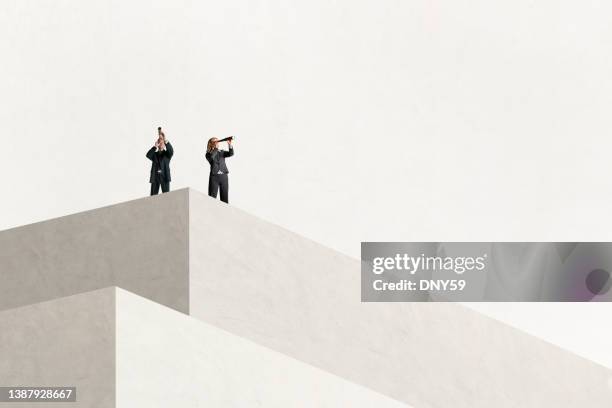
63, 342
139, 245
267, 284
122, 350
167, 359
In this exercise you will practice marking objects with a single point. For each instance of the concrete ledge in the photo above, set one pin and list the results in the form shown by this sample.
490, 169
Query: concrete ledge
63, 342
140, 245
261, 282
122, 350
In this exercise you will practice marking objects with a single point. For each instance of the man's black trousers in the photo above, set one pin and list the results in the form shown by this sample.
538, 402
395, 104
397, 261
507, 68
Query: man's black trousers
218, 182
165, 187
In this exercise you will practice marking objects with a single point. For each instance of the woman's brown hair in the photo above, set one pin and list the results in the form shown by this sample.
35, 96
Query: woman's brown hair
212, 142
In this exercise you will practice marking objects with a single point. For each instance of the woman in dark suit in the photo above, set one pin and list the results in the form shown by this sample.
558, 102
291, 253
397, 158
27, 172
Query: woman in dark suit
217, 179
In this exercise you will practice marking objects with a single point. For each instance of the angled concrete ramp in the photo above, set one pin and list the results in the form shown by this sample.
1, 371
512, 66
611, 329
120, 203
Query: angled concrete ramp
263, 283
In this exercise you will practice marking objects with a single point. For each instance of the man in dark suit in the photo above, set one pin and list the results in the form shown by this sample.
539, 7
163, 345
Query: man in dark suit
160, 156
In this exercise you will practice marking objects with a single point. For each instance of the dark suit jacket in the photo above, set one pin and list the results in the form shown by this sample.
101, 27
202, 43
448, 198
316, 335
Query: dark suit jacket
160, 160
217, 160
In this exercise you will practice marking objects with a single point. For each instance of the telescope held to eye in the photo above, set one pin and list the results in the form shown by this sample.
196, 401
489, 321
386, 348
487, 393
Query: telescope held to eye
227, 139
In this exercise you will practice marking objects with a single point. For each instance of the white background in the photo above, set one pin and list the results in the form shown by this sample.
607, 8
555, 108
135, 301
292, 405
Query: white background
356, 120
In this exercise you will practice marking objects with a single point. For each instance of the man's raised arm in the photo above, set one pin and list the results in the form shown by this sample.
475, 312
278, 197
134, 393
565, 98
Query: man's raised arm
169, 150
151, 153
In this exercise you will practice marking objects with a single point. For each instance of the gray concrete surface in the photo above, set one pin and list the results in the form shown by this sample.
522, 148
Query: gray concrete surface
262, 282
63, 342
167, 359
122, 350
280, 290
139, 245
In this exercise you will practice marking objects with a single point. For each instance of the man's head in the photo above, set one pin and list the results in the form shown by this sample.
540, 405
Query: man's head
212, 144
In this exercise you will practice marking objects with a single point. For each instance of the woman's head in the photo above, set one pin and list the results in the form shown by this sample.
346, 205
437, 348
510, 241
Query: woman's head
212, 144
